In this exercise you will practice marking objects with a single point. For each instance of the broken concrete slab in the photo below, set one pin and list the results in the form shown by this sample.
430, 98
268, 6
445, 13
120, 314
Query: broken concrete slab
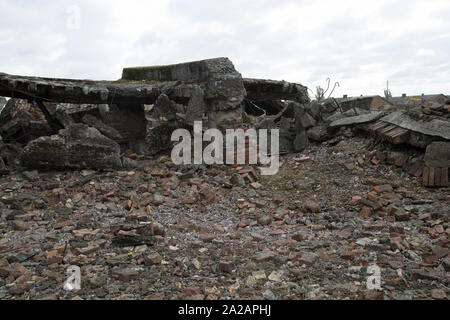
64, 118
421, 123
196, 106
275, 90
164, 108
96, 123
349, 113
172, 96
80, 91
125, 123
438, 155
222, 85
307, 121
314, 109
318, 133
301, 141
77, 147
364, 118
159, 138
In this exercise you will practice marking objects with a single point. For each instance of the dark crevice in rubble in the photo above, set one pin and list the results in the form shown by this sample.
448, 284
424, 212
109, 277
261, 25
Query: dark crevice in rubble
262, 107
51, 120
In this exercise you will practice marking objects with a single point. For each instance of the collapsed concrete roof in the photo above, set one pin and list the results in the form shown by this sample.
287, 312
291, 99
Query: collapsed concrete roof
210, 86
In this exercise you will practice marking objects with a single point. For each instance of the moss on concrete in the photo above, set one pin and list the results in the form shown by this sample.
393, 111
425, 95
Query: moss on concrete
142, 73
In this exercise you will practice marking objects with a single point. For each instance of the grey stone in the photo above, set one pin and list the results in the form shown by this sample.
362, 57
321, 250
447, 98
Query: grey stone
269, 295
64, 118
3, 169
314, 110
98, 124
357, 119
286, 141
267, 124
308, 258
349, 113
128, 163
264, 220
328, 106
275, 90
164, 107
139, 147
318, 133
125, 275
225, 119
301, 141
79, 146
196, 106
307, 121
237, 180
438, 155
285, 124
159, 138
446, 263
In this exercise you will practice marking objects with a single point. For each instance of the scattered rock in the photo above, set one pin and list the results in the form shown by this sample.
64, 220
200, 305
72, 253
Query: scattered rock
125, 275
153, 259
438, 294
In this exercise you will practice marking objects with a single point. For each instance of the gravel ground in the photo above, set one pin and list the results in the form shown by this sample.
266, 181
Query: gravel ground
313, 231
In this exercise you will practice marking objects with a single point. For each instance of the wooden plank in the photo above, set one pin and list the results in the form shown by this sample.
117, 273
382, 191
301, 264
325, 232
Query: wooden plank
431, 177
385, 129
397, 136
377, 125
437, 177
382, 127
401, 137
426, 172
397, 132
444, 177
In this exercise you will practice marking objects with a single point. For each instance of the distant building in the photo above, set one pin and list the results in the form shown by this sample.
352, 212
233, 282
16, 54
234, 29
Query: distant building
405, 100
370, 103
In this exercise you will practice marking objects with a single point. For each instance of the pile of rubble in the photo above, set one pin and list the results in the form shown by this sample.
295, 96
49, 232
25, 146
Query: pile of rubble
138, 113
210, 91
85, 181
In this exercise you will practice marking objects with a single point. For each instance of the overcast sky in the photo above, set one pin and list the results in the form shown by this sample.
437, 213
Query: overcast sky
359, 43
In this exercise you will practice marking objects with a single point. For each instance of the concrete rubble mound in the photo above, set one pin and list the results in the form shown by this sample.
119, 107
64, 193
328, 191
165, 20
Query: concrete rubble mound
141, 110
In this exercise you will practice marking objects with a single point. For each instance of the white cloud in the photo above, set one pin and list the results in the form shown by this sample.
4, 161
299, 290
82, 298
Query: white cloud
425, 52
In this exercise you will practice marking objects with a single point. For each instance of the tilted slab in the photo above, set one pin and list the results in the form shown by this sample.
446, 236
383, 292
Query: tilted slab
81, 91
364, 118
424, 124
261, 89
